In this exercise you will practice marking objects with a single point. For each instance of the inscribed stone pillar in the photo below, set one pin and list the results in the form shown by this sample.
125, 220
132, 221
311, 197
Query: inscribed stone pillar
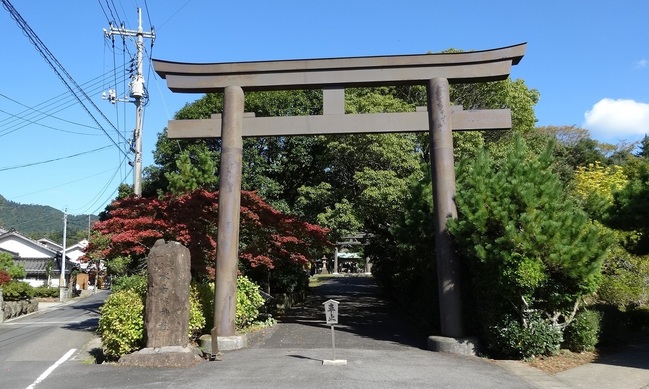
227, 255
167, 300
443, 171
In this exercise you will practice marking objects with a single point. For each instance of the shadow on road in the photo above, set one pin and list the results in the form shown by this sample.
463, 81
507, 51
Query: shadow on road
366, 319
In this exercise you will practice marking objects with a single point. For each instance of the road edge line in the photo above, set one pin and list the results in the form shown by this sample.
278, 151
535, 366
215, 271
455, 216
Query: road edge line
51, 368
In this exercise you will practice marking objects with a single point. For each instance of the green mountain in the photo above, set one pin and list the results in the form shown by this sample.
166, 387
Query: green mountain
41, 221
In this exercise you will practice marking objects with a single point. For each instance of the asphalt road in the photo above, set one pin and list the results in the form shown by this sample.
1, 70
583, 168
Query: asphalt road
381, 347
30, 345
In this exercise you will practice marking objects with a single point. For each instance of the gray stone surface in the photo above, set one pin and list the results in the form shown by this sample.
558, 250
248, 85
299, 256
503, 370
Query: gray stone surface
167, 302
170, 356
461, 346
13, 309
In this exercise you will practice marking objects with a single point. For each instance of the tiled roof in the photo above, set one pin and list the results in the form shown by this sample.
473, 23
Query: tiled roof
39, 265
36, 265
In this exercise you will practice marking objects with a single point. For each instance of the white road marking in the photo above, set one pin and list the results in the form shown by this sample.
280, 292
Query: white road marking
51, 368
39, 323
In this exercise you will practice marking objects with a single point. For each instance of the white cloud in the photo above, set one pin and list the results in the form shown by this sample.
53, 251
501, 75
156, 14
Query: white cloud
641, 64
617, 119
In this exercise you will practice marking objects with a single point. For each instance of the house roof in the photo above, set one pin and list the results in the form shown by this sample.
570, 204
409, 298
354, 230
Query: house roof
50, 244
27, 242
12, 253
39, 265
36, 265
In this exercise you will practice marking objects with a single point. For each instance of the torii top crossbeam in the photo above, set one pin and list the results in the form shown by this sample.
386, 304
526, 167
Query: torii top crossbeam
465, 67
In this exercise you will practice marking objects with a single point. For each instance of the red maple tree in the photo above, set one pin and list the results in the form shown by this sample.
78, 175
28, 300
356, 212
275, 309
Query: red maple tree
4, 277
267, 236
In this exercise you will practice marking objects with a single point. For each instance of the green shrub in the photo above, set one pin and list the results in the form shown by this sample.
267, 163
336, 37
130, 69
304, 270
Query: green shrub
7, 264
512, 339
205, 294
17, 290
288, 277
249, 300
583, 333
137, 283
121, 325
46, 291
196, 317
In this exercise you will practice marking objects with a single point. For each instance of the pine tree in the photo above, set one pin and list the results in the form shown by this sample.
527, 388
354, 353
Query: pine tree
530, 250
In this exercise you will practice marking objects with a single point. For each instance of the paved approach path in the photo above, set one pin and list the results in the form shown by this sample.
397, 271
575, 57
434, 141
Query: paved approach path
382, 349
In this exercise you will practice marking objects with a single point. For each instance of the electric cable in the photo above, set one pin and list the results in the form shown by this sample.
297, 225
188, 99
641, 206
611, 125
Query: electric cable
2, 169
56, 65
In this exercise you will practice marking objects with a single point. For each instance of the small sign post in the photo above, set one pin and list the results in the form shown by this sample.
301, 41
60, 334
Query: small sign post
331, 316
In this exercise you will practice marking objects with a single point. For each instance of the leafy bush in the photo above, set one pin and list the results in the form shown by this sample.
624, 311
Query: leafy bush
249, 300
121, 324
136, 283
17, 290
196, 317
205, 294
583, 332
512, 339
46, 291
625, 275
7, 264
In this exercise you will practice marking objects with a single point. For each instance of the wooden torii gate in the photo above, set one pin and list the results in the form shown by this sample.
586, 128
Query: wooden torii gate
435, 71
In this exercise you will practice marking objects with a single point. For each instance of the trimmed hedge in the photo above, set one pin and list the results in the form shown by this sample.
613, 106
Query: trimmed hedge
46, 291
583, 333
121, 324
17, 290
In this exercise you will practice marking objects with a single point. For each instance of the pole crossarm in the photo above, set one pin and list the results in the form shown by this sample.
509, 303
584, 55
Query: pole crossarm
464, 67
493, 119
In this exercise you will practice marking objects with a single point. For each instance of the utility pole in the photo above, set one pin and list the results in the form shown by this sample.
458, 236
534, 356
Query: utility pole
137, 92
63, 287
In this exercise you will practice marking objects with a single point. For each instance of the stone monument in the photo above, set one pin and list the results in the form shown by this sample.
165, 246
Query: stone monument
167, 310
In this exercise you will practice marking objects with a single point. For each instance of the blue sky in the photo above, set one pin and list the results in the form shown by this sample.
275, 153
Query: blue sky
588, 59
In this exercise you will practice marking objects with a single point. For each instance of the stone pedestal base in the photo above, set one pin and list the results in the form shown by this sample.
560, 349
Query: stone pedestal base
461, 346
226, 343
334, 362
169, 356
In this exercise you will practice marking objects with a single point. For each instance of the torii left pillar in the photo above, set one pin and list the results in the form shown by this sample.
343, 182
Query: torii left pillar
227, 253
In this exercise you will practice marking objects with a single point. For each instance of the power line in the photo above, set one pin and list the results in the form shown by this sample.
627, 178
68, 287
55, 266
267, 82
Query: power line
43, 109
13, 198
53, 160
174, 14
56, 65
102, 191
19, 117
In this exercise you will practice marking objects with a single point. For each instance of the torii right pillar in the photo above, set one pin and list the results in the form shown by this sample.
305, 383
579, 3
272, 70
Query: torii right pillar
448, 266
